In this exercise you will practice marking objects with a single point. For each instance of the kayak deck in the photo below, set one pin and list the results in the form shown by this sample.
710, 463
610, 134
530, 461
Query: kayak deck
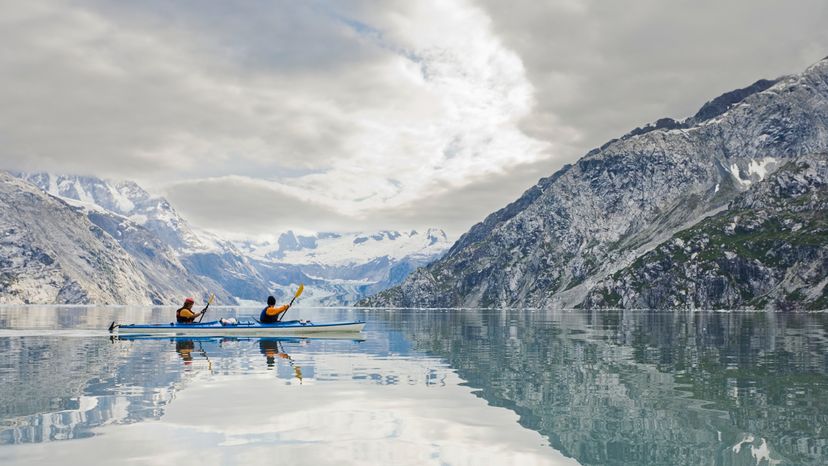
293, 327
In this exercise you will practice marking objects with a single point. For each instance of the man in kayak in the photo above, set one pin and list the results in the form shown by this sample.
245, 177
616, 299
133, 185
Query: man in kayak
270, 314
185, 314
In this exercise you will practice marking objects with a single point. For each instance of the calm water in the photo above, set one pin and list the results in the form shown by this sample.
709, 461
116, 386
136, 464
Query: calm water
419, 387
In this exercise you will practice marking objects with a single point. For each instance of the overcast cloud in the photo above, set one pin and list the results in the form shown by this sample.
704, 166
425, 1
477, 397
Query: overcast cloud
254, 117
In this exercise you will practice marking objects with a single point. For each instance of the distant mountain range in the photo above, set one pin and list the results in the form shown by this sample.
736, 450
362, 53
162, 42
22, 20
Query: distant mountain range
343, 267
75, 239
725, 209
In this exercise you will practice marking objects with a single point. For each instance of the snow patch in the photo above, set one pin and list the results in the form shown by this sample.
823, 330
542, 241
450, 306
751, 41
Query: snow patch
734, 170
757, 170
123, 202
139, 219
760, 167
82, 195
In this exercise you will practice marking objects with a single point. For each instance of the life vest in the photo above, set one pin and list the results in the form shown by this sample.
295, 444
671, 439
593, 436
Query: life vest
271, 314
184, 319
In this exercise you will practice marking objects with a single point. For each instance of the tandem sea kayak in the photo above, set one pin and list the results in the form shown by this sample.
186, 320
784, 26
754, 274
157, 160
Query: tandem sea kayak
291, 327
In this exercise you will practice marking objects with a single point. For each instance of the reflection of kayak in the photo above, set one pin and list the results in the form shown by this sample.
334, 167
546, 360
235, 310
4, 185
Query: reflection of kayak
292, 327
343, 336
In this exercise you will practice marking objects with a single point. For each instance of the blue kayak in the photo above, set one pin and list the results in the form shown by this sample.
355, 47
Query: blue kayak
290, 327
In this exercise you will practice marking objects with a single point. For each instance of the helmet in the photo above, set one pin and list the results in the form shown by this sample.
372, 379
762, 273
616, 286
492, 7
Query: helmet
189, 301
271, 301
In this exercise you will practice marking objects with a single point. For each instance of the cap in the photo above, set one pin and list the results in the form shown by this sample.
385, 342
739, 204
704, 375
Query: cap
189, 300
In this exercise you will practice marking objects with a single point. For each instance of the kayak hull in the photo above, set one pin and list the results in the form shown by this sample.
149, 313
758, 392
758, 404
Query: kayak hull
242, 328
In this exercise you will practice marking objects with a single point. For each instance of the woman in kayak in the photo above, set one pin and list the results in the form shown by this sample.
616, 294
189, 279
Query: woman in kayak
185, 314
270, 314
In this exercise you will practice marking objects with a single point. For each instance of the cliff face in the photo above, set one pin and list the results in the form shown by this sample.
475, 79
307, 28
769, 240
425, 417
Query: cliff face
51, 253
141, 222
769, 249
570, 232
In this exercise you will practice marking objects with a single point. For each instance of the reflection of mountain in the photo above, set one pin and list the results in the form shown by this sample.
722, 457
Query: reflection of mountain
58, 381
64, 387
647, 388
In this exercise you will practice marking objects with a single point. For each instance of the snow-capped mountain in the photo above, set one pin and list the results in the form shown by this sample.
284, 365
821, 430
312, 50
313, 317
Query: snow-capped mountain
344, 267
53, 252
127, 199
201, 253
589, 222
337, 268
345, 249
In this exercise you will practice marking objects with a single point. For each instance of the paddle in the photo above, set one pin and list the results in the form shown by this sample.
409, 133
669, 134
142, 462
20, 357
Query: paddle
204, 311
298, 292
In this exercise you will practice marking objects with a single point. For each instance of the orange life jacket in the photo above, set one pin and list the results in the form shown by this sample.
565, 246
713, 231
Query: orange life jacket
271, 313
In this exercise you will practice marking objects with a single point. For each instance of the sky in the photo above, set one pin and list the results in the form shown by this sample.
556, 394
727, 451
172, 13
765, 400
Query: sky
254, 117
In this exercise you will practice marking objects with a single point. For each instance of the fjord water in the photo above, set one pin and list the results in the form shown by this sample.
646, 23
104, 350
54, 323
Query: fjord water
419, 387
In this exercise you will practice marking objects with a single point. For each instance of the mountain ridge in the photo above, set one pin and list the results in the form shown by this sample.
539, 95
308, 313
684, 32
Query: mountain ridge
53, 253
594, 217
171, 256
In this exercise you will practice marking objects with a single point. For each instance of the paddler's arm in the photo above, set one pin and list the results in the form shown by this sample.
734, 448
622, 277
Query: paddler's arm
275, 311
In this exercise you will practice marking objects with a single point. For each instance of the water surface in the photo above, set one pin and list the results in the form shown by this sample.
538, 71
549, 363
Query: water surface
419, 387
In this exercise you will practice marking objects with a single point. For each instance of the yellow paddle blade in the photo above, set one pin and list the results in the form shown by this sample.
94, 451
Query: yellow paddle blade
300, 290
210, 301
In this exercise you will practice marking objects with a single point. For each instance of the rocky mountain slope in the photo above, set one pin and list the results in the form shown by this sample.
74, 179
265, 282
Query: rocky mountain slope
338, 268
769, 248
589, 220
214, 260
53, 253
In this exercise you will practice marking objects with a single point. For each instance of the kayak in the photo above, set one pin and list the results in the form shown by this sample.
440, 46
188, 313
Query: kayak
291, 327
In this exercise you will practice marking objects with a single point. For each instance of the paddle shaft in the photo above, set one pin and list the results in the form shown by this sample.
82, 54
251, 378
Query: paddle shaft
204, 311
298, 292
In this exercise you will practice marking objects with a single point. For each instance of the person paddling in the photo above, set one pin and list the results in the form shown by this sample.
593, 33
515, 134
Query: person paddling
185, 314
271, 314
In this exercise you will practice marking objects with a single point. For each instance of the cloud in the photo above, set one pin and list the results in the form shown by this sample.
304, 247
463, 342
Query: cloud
607, 67
239, 205
361, 109
394, 114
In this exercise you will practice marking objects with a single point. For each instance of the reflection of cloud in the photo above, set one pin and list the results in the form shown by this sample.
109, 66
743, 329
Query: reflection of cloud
254, 419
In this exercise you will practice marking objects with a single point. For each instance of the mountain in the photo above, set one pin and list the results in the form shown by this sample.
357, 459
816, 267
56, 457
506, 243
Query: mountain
343, 267
575, 229
767, 248
216, 261
339, 268
53, 253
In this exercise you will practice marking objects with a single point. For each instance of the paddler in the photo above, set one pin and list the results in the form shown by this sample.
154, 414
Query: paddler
270, 314
185, 314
